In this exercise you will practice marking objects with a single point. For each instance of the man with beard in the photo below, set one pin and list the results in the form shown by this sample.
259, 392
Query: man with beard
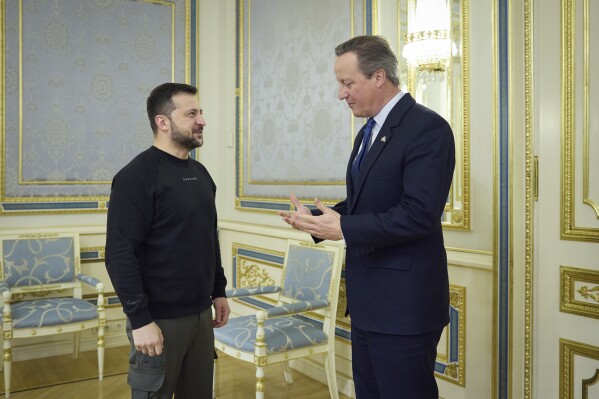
163, 255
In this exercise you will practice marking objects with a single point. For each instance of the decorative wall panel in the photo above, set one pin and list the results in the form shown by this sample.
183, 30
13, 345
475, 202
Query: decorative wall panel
293, 134
579, 291
75, 78
451, 351
580, 127
579, 366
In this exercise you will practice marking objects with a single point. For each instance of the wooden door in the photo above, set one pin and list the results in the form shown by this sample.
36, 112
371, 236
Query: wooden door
565, 339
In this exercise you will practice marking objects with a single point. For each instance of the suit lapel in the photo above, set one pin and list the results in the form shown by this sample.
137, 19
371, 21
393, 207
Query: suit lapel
382, 139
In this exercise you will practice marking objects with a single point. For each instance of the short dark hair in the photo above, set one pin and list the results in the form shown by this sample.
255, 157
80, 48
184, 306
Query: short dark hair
373, 53
160, 101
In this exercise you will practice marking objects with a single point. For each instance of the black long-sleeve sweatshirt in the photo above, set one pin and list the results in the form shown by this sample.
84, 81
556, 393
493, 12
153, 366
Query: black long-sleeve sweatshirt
162, 250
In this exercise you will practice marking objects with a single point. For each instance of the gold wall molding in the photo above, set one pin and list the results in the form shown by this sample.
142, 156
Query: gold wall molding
570, 229
587, 292
56, 157
250, 274
588, 382
530, 190
92, 254
579, 291
586, 151
453, 359
254, 271
569, 350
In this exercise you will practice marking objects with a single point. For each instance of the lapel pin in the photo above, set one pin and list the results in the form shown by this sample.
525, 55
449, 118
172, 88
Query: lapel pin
384, 139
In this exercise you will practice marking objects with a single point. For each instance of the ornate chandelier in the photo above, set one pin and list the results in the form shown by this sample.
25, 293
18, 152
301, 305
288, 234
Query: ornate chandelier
428, 43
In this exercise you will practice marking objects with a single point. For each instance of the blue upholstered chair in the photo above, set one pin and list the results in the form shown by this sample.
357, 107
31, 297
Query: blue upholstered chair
301, 324
40, 283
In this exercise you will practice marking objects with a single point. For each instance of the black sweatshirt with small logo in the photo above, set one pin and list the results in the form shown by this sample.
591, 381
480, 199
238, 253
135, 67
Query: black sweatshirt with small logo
162, 249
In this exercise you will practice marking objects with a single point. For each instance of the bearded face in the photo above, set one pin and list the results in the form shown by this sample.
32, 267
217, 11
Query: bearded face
186, 138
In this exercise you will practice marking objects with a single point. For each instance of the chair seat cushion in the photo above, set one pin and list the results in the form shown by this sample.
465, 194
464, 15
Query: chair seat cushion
281, 333
50, 312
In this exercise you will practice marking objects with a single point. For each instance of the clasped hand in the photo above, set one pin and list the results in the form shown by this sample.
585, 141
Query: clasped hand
326, 226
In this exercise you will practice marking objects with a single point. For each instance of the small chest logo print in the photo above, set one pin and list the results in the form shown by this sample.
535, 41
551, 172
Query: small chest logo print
189, 178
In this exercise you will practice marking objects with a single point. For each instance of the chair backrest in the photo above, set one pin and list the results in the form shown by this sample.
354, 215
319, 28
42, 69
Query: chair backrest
311, 271
39, 262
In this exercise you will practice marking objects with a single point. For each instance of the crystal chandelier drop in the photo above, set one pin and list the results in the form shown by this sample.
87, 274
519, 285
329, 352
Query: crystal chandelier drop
428, 43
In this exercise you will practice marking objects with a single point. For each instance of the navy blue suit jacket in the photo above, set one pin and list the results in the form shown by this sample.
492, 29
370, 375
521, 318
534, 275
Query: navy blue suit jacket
396, 264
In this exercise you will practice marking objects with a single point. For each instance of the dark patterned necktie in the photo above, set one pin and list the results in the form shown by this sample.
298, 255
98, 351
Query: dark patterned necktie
355, 169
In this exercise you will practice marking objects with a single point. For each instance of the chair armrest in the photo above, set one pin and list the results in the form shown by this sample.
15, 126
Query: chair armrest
3, 287
5, 295
296, 307
91, 281
247, 291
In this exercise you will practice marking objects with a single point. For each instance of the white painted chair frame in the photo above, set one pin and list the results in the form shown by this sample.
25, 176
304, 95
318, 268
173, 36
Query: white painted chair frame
327, 314
15, 294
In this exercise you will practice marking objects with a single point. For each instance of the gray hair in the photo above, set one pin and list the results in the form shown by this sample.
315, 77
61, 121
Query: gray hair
373, 53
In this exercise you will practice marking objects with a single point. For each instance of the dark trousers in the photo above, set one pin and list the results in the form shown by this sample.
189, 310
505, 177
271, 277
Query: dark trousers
389, 366
185, 367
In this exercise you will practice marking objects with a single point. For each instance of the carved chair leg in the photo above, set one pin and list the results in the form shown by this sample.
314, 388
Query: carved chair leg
101, 353
259, 382
287, 372
7, 367
76, 342
329, 366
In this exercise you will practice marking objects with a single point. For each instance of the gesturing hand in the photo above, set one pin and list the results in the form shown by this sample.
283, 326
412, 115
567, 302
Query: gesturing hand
326, 226
290, 217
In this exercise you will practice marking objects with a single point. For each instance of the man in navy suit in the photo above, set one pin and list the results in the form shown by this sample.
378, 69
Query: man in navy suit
396, 265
